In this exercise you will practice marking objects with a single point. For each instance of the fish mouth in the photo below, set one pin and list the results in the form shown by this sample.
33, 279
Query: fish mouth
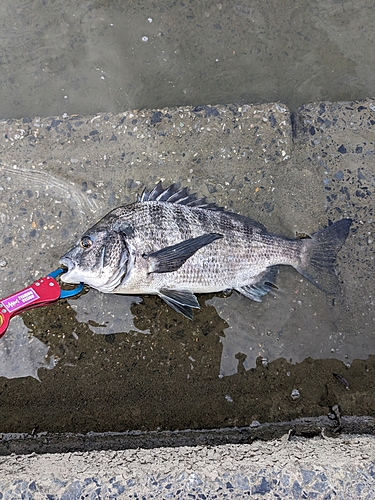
74, 273
104, 278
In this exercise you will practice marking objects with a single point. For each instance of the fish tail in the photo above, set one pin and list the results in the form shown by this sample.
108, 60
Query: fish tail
319, 254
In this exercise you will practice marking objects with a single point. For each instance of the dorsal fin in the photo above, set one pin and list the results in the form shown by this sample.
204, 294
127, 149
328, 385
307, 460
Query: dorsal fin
173, 194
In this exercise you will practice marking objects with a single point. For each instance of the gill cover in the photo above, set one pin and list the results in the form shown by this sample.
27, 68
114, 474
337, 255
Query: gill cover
100, 259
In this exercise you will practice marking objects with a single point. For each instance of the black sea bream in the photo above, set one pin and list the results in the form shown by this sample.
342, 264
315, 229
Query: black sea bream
171, 244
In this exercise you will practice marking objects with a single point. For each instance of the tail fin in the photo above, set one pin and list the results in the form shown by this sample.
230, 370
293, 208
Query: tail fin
321, 251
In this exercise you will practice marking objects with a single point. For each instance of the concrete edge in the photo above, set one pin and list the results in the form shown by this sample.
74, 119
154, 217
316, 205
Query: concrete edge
23, 444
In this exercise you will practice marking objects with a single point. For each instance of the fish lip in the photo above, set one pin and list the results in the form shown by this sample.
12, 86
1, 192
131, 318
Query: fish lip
66, 263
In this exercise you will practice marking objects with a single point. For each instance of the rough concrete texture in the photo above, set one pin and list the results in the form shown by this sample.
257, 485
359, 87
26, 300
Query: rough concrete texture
320, 468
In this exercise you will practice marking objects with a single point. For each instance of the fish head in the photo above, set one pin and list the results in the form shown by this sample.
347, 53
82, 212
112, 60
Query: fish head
101, 258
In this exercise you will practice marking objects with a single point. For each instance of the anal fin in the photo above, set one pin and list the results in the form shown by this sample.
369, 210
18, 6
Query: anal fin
265, 284
182, 301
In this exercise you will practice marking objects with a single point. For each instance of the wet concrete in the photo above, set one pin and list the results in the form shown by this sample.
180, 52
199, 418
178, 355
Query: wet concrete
331, 426
100, 56
150, 369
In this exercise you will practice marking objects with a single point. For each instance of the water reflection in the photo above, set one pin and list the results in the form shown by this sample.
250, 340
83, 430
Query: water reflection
297, 322
106, 313
22, 355
293, 324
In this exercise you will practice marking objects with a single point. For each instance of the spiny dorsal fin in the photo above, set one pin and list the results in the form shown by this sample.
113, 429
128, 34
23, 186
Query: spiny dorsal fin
173, 194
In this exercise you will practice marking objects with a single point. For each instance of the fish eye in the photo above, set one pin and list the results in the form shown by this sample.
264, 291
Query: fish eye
86, 242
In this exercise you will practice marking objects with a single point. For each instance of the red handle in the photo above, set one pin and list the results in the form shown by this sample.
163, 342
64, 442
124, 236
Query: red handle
41, 292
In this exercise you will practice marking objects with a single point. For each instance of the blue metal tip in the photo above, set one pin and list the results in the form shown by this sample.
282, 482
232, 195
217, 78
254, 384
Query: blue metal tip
64, 294
57, 272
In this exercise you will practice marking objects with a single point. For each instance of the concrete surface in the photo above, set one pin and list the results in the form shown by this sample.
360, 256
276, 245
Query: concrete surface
319, 468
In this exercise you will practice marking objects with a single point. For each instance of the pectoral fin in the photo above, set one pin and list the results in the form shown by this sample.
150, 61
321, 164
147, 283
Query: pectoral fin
171, 258
181, 301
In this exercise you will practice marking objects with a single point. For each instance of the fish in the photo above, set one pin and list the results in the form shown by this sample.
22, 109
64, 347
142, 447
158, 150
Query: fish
175, 245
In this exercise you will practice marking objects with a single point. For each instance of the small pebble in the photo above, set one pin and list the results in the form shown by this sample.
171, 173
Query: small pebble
264, 361
295, 394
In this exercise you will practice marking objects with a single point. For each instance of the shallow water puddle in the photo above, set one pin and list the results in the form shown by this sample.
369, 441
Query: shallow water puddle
295, 322
22, 355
